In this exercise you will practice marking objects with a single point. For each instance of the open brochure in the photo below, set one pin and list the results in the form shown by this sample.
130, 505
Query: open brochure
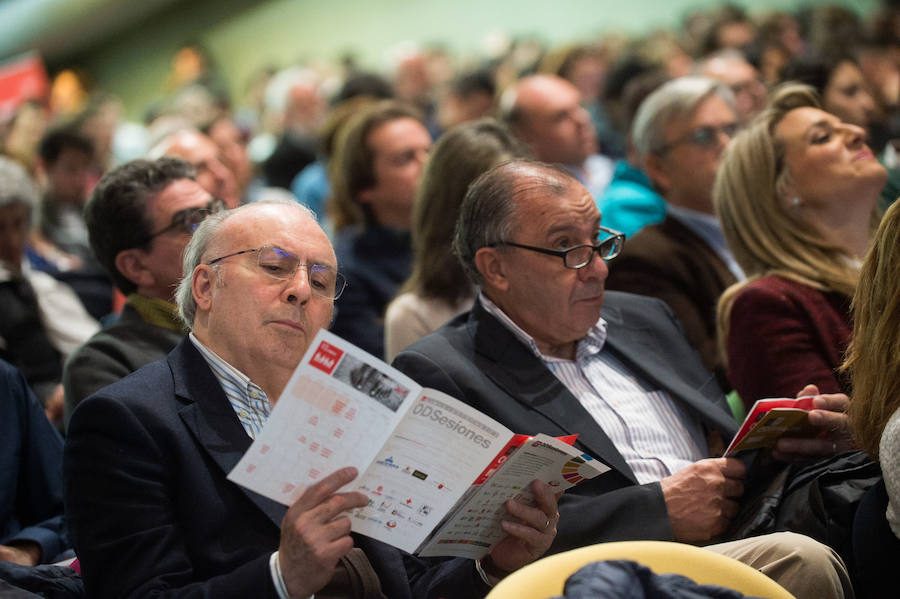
769, 419
436, 471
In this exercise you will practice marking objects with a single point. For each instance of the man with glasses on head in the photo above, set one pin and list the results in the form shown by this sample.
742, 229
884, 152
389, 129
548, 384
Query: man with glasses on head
149, 507
546, 349
140, 217
679, 134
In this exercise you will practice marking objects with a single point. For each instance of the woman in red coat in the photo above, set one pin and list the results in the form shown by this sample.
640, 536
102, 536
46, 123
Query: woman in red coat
796, 194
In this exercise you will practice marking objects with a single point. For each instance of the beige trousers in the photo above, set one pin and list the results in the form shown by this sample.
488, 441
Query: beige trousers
806, 568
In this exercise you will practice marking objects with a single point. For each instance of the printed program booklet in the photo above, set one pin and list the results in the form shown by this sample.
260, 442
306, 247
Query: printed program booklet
769, 419
435, 470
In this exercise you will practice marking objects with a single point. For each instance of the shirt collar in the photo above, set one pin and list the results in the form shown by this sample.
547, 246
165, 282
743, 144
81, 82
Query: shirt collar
592, 343
225, 371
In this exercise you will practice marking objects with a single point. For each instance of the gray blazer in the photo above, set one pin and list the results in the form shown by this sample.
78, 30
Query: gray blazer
478, 360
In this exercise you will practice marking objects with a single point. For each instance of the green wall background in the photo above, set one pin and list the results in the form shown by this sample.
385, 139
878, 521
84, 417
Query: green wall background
245, 34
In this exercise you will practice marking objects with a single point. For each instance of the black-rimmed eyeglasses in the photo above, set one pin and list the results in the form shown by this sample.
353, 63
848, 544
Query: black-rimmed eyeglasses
188, 220
282, 265
581, 255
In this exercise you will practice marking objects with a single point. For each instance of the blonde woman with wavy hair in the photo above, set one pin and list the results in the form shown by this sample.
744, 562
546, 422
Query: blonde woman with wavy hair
873, 359
796, 195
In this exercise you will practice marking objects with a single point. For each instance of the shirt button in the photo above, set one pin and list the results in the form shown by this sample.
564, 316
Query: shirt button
254, 394
244, 414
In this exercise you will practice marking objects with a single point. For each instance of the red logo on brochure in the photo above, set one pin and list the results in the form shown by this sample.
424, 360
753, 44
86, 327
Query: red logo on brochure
326, 357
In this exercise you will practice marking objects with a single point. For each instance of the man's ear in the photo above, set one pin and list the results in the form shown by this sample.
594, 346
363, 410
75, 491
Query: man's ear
131, 264
490, 265
655, 166
202, 282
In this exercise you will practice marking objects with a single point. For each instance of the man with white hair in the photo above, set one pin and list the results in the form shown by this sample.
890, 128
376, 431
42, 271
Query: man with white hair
295, 107
148, 503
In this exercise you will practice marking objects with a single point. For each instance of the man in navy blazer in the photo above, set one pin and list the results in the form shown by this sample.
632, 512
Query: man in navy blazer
150, 509
546, 350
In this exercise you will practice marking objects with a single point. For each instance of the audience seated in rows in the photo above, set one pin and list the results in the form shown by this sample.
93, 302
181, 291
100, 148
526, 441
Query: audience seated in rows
391, 229
159, 445
796, 195
545, 349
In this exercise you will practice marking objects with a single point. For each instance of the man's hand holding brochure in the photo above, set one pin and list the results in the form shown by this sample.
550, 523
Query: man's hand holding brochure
436, 471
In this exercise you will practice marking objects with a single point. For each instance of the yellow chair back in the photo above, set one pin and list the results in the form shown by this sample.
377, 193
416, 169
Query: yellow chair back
546, 577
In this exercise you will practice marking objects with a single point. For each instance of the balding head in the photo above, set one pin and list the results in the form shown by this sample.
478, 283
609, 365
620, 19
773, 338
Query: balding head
203, 154
544, 112
488, 212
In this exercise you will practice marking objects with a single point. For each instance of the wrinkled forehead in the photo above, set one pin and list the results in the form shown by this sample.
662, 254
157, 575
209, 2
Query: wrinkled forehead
543, 203
282, 225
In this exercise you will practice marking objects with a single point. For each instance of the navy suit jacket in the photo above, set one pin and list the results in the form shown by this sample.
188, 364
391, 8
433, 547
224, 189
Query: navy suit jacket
31, 499
477, 359
150, 511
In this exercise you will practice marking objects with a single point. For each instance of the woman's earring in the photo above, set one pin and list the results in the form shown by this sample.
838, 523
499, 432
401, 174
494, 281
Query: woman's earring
795, 202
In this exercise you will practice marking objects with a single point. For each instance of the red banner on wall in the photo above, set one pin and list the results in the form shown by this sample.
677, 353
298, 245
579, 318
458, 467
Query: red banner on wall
22, 78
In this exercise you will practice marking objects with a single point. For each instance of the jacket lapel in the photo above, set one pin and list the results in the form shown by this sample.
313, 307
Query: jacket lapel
209, 416
512, 367
638, 348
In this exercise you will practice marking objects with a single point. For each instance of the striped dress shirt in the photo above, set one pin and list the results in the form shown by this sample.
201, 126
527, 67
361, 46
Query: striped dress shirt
247, 399
654, 436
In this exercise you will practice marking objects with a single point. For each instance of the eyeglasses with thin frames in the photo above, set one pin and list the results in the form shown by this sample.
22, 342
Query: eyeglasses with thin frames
188, 220
281, 265
580, 255
705, 137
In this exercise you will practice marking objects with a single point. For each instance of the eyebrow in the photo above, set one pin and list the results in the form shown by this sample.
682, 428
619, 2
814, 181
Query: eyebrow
567, 227
823, 123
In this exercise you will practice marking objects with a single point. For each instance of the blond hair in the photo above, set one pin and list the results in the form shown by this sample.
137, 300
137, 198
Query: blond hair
765, 237
873, 358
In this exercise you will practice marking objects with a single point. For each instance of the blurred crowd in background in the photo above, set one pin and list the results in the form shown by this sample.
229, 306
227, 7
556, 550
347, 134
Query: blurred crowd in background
280, 136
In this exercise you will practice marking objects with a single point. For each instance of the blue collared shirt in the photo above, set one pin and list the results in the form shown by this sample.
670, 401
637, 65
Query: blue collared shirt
247, 399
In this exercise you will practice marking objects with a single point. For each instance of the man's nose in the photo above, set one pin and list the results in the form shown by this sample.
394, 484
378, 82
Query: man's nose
596, 269
297, 289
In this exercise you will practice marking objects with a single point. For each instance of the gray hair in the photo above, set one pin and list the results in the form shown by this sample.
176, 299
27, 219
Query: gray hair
488, 213
672, 101
16, 186
200, 243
